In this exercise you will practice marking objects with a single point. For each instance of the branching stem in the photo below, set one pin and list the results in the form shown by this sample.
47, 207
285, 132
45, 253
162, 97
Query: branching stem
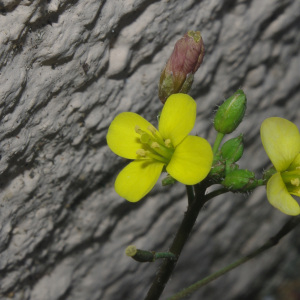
179, 241
289, 226
218, 141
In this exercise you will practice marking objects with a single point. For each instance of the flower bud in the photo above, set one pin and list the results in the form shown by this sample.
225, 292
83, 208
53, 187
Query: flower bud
185, 60
241, 180
217, 171
230, 114
140, 255
267, 174
168, 180
233, 149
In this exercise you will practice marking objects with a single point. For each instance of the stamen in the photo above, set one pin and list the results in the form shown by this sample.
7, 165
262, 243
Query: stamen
155, 134
141, 152
137, 129
157, 157
158, 148
152, 129
155, 145
168, 143
295, 182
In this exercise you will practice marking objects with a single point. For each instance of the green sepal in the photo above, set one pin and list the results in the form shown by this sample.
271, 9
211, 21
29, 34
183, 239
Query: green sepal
231, 113
187, 84
267, 174
233, 149
168, 180
217, 171
229, 167
166, 87
240, 180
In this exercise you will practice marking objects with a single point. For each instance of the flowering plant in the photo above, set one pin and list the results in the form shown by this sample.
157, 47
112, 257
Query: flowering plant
190, 159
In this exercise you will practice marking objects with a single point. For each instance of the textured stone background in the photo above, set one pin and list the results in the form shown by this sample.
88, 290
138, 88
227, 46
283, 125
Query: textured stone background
67, 69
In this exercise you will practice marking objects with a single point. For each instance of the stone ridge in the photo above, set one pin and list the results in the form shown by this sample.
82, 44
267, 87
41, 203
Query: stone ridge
67, 68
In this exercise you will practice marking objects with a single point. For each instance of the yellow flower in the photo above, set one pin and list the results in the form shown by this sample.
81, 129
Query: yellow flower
281, 140
187, 158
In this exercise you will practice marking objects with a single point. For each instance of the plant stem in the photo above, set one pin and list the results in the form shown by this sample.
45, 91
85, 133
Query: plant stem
190, 194
289, 226
179, 241
216, 193
167, 255
218, 141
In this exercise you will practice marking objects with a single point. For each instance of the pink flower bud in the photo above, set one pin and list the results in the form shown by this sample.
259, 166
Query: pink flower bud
185, 60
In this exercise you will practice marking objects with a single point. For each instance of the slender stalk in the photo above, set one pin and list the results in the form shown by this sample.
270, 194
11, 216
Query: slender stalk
218, 141
190, 193
179, 241
216, 193
167, 255
289, 226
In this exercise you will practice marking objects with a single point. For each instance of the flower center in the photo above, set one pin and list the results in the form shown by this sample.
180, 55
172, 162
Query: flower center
154, 146
292, 180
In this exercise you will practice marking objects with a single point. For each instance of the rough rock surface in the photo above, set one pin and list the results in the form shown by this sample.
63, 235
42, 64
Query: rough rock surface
67, 69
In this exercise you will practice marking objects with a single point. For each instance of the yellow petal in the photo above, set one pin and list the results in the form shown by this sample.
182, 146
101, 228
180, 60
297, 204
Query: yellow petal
281, 140
177, 118
279, 196
295, 164
137, 179
191, 161
122, 138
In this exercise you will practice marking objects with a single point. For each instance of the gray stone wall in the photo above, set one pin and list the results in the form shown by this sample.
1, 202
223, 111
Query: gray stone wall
67, 69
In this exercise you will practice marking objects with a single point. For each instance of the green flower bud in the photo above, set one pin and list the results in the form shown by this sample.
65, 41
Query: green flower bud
147, 256
185, 60
217, 171
241, 180
230, 114
140, 255
168, 180
233, 149
267, 174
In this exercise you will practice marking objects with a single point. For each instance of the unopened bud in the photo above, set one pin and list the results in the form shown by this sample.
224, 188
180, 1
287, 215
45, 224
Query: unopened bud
185, 60
230, 114
267, 174
147, 256
240, 180
233, 149
139, 255
168, 180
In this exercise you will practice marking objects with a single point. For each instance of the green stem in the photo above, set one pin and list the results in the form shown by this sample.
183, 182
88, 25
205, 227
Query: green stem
289, 226
190, 193
218, 141
216, 193
260, 182
167, 255
179, 241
